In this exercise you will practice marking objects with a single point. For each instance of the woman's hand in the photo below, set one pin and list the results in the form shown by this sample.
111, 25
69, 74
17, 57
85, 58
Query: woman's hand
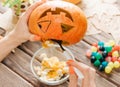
88, 72
21, 31
19, 35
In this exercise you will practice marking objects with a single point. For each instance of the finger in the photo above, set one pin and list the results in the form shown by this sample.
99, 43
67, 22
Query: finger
70, 61
73, 80
80, 66
73, 76
89, 78
71, 70
35, 38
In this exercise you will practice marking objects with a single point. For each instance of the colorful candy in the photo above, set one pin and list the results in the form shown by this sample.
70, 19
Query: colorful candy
111, 64
95, 44
116, 64
111, 43
97, 63
93, 59
105, 63
98, 56
113, 59
94, 49
108, 59
108, 48
88, 53
105, 56
101, 48
108, 69
100, 43
115, 54
94, 53
118, 60
101, 68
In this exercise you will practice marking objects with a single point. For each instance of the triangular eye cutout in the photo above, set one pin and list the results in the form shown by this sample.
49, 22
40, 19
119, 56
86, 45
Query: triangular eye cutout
44, 25
66, 27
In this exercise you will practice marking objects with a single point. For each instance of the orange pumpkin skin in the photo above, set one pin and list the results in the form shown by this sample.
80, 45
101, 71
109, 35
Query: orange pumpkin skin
73, 1
58, 20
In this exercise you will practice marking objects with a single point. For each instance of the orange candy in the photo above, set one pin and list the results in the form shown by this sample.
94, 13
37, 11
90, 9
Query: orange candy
88, 53
71, 69
116, 48
113, 59
119, 59
95, 44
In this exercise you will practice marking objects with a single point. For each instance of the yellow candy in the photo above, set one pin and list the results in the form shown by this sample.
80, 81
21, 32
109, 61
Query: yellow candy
116, 64
111, 43
115, 54
108, 69
93, 49
110, 64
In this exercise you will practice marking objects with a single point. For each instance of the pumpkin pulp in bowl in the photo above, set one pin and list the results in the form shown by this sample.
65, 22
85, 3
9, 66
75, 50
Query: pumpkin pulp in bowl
49, 65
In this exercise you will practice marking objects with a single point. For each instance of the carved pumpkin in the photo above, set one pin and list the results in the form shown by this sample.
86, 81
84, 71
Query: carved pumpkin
58, 21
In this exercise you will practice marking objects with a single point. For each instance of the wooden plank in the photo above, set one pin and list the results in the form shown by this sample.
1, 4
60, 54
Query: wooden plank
98, 37
79, 52
10, 79
20, 63
32, 45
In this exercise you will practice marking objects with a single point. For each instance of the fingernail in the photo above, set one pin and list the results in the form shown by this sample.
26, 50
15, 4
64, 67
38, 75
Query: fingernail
71, 70
70, 61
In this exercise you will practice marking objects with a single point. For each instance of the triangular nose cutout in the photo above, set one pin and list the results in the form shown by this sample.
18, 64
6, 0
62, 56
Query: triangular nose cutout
44, 25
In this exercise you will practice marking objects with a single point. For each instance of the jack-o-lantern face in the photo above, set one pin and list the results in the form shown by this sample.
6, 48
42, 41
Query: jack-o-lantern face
58, 20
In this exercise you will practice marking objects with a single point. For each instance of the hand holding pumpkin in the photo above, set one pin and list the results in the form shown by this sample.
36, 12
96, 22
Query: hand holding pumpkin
21, 31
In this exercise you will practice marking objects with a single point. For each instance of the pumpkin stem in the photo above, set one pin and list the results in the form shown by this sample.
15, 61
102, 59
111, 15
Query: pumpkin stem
59, 42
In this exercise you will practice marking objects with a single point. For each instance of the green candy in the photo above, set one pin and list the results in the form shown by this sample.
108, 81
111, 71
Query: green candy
108, 48
98, 56
97, 63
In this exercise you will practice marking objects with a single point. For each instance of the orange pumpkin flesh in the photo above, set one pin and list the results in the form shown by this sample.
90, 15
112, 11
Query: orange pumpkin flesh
58, 20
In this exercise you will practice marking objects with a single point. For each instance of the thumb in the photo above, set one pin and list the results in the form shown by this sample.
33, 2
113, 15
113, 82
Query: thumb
34, 38
1, 37
73, 77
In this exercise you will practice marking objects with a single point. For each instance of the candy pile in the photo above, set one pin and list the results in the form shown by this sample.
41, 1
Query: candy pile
104, 56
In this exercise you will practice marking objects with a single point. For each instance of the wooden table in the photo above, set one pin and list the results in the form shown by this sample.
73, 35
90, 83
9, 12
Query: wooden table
15, 68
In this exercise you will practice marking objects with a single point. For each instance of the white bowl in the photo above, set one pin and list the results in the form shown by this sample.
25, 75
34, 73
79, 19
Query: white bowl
54, 50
